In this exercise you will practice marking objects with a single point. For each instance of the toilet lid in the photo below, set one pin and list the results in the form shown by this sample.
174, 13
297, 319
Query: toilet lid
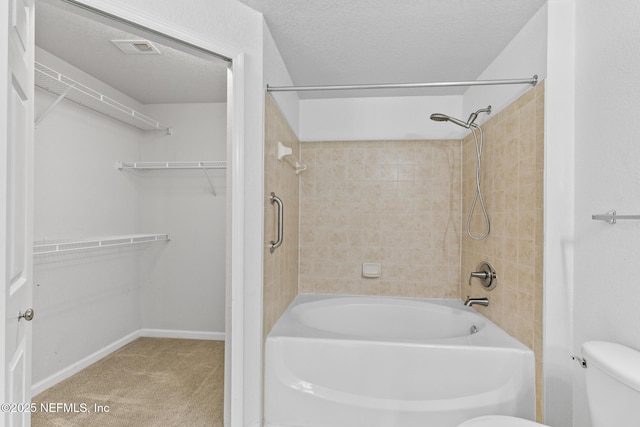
499, 421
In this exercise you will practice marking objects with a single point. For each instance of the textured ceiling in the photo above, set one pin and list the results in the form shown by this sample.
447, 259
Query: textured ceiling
84, 41
322, 43
391, 41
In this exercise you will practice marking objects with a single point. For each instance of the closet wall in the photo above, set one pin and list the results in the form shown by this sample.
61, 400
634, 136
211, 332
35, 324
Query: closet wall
90, 302
184, 287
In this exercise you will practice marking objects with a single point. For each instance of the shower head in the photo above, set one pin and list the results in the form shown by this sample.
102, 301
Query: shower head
438, 117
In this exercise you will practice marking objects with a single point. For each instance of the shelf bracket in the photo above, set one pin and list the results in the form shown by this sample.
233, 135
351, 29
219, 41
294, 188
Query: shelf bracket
53, 105
213, 189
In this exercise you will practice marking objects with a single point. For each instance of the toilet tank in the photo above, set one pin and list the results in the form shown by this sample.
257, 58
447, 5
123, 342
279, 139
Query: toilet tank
613, 384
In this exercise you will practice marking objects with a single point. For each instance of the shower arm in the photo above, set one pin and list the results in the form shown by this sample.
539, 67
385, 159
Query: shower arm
474, 116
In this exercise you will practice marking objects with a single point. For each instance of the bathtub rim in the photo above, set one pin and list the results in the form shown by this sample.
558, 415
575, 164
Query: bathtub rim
489, 336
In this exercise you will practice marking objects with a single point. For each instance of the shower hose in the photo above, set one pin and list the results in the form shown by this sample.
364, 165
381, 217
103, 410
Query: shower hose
478, 195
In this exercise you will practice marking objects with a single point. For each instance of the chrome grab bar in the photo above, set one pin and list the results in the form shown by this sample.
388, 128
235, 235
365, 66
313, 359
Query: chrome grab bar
273, 245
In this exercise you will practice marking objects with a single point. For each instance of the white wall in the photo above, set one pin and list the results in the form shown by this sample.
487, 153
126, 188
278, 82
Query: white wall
524, 57
183, 290
559, 212
407, 117
276, 74
85, 301
607, 296
371, 118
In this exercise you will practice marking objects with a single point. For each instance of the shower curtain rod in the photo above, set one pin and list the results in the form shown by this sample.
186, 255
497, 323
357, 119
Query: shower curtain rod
532, 81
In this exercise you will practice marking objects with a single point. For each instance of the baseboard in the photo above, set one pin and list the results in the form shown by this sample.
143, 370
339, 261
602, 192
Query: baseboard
65, 373
189, 335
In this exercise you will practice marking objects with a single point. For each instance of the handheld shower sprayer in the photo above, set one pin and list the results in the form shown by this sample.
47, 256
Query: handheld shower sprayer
472, 126
444, 118
439, 117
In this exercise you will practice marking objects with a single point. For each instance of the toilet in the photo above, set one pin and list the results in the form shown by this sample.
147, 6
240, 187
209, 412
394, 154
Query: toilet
613, 389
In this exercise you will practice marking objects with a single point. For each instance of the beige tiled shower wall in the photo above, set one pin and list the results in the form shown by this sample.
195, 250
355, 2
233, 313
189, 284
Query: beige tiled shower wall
512, 184
396, 203
281, 266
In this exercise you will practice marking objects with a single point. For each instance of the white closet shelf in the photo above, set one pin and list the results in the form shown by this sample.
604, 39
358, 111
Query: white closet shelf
172, 165
52, 246
67, 88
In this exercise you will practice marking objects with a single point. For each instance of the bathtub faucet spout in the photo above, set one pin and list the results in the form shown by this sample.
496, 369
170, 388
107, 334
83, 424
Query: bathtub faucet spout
476, 301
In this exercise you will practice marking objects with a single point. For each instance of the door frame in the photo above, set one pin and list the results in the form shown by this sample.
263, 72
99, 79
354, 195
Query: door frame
235, 246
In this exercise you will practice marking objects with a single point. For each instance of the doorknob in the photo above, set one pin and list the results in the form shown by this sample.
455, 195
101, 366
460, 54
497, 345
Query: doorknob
28, 315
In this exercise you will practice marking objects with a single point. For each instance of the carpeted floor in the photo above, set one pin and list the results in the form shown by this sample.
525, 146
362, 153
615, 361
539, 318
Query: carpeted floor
149, 382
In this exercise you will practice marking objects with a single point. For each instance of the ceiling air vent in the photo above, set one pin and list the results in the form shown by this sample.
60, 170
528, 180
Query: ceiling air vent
136, 47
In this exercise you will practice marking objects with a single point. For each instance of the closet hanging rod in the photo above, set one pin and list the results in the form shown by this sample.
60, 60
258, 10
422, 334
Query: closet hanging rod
531, 81
172, 165
47, 247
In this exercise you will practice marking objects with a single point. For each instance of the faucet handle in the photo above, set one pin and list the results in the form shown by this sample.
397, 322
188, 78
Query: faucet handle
486, 274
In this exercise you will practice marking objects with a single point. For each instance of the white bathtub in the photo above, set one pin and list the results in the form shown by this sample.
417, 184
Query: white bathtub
335, 361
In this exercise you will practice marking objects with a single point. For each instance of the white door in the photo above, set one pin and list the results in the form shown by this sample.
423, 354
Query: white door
16, 193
